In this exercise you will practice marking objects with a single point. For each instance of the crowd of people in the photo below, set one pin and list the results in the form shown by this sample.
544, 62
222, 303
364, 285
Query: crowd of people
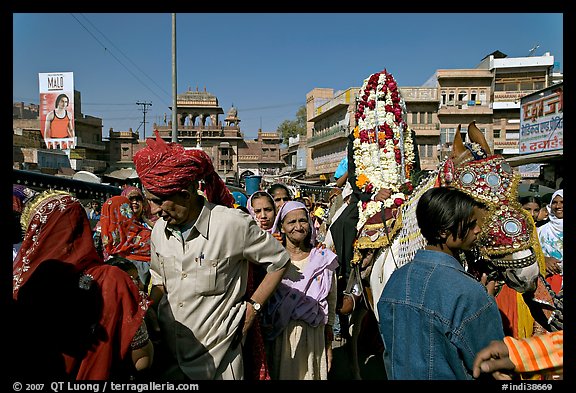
183, 280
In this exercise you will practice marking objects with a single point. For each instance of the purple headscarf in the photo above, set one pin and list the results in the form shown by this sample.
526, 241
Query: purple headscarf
286, 208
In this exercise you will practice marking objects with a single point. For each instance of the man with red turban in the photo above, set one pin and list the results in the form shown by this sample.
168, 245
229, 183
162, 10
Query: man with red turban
200, 254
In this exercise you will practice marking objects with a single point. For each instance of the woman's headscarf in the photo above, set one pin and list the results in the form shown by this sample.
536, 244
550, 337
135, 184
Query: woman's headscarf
58, 230
262, 194
54, 229
286, 208
131, 191
551, 234
20, 196
122, 234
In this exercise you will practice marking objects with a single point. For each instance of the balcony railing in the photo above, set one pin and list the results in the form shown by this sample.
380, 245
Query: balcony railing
331, 133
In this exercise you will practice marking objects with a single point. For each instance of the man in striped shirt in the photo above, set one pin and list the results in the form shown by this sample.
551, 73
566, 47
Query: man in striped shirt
540, 354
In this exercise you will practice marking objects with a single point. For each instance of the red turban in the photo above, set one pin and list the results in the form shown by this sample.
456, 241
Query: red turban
166, 168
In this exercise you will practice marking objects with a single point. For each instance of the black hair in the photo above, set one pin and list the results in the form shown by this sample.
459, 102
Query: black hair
276, 186
121, 262
60, 96
530, 199
264, 194
445, 209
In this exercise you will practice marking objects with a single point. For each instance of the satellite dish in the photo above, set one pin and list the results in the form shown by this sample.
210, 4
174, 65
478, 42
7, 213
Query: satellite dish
87, 177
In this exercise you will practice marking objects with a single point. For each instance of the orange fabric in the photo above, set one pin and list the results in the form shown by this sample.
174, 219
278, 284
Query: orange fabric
59, 126
508, 306
555, 282
543, 352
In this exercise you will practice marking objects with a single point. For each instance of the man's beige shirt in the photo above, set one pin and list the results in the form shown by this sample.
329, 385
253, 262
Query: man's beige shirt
205, 280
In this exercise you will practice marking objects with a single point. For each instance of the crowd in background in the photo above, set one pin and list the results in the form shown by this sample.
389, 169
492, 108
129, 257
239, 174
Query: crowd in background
266, 298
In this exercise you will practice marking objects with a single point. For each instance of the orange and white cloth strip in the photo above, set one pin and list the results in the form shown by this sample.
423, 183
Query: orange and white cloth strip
537, 353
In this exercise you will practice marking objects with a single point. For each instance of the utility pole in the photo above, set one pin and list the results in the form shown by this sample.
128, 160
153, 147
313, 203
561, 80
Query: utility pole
174, 94
145, 106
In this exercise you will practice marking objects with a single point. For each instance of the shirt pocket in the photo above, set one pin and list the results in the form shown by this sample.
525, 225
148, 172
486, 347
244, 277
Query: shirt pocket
168, 271
210, 276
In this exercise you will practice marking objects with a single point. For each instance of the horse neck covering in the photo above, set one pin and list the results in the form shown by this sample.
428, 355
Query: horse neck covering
166, 168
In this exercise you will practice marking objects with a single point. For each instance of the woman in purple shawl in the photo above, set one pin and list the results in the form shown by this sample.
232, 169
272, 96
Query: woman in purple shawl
298, 318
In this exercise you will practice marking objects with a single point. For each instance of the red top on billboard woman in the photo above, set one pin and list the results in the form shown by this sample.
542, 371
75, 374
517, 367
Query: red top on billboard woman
58, 122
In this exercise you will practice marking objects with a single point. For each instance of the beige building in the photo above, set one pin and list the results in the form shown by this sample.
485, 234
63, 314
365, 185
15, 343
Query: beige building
330, 119
488, 94
90, 153
199, 126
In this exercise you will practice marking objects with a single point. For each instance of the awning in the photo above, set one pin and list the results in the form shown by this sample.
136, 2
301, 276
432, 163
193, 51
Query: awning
123, 174
312, 182
541, 157
81, 189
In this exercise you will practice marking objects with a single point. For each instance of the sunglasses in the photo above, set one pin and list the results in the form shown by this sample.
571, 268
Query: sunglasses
285, 199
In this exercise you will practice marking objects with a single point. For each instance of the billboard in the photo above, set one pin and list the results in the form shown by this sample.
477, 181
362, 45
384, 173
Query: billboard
542, 120
57, 109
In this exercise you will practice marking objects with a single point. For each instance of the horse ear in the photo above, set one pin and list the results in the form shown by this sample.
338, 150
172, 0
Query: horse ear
476, 135
458, 148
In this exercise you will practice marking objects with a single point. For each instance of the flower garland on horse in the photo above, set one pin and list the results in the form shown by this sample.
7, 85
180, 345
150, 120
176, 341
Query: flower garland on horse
384, 159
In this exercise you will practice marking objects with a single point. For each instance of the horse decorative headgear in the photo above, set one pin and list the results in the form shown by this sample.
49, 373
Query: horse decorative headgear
508, 228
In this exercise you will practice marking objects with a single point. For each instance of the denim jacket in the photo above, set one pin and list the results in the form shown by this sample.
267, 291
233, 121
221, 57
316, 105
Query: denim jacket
434, 318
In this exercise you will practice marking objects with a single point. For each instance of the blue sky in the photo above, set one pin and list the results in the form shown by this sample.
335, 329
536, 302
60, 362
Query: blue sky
262, 63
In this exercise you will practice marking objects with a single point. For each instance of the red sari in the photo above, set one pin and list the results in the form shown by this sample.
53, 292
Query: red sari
122, 234
58, 231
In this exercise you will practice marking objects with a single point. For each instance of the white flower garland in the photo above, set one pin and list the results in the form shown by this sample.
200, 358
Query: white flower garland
381, 110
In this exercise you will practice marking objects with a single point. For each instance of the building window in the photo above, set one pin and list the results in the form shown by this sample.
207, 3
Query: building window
426, 151
414, 117
483, 97
429, 118
512, 135
447, 135
496, 133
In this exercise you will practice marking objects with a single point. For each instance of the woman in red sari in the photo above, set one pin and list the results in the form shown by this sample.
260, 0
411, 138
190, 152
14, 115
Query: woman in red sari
123, 235
77, 317
140, 205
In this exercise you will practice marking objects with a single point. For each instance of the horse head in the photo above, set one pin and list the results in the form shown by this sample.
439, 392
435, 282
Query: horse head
507, 247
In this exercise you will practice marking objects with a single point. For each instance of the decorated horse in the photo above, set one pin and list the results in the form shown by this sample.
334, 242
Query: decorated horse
507, 249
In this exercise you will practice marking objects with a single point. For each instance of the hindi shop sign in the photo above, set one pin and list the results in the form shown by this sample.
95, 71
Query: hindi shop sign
542, 120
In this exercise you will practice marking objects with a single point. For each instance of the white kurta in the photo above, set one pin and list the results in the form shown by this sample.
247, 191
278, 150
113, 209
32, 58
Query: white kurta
205, 280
